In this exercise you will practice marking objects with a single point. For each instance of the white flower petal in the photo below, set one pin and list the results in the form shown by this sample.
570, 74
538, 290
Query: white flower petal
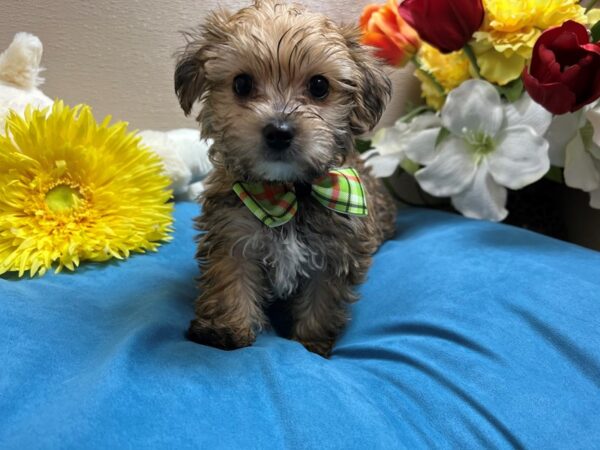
393, 140
595, 199
424, 121
520, 157
527, 112
562, 131
594, 117
580, 170
369, 154
383, 166
389, 140
595, 151
452, 169
420, 146
474, 106
483, 199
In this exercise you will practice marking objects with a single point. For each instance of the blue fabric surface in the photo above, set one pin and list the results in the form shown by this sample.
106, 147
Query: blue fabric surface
468, 334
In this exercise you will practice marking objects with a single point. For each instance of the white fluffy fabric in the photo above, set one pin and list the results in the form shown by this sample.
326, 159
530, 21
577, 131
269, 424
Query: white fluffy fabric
185, 158
20, 76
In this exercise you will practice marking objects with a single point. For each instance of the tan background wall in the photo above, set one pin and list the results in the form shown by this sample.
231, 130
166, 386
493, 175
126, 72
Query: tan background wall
117, 54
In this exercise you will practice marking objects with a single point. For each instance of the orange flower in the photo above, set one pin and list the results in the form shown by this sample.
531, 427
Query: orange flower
383, 28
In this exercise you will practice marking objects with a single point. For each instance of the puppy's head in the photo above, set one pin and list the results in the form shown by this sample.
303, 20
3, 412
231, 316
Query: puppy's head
281, 91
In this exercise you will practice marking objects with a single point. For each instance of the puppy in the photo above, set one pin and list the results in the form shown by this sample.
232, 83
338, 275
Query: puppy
283, 92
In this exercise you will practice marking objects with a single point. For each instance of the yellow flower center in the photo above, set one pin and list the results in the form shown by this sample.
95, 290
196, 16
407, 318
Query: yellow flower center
62, 198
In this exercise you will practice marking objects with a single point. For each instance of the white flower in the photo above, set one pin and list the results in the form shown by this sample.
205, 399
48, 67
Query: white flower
574, 145
489, 147
593, 115
389, 144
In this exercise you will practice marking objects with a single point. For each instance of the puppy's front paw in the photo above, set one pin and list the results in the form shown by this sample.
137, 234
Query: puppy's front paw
223, 338
322, 348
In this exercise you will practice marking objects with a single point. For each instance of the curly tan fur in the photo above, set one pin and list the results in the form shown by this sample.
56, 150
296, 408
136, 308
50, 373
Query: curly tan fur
313, 262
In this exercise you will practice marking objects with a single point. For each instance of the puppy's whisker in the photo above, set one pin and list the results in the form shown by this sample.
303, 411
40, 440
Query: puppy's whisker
285, 107
320, 117
291, 69
314, 114
287, 116
279, 76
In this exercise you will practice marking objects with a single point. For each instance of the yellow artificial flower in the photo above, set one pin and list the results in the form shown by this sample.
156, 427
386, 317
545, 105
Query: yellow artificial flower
511, 27
73, 190
593, 16
430, 91
449, 70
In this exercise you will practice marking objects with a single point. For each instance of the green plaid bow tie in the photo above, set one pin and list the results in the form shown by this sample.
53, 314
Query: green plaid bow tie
275, 204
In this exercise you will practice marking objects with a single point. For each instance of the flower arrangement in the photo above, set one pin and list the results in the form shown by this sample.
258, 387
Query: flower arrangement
511, 91
72, 189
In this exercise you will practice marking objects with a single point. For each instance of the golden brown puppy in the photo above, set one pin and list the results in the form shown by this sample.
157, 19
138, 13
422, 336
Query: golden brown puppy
282, 92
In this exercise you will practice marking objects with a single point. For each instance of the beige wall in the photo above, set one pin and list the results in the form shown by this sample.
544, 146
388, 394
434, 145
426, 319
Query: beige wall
117, 54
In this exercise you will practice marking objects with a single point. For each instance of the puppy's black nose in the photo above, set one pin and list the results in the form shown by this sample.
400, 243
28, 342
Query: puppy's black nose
278, 135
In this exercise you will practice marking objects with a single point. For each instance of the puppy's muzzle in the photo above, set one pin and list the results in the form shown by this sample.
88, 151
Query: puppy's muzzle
278, 135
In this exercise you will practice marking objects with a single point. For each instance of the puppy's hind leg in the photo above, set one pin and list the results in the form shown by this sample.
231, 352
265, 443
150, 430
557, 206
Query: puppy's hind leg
229, 310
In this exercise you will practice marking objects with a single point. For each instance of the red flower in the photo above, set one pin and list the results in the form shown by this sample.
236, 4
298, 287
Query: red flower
564, 74
446, 24
383, 28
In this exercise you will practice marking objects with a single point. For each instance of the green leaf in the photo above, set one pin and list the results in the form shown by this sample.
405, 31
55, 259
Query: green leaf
362, 145
512, 91
596, 32
444, 133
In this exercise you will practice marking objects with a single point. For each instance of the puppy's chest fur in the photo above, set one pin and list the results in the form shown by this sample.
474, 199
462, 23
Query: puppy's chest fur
300, 249
290, 258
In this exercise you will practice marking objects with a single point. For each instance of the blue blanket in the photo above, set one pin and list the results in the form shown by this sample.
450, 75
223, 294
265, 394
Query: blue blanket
468, 334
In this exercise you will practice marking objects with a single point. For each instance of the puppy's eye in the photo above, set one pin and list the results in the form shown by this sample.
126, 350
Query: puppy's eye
318, 86
242, 85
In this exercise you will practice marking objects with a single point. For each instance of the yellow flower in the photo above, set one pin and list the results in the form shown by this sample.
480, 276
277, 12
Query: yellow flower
449, 70
430, 91
510, 30
593, 16
73, 190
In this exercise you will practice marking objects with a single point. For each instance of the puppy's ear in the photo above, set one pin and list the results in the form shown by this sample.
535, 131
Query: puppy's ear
189, 80
190, 76
373, 86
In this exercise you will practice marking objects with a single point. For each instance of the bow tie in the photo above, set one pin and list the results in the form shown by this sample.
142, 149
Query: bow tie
275, 204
